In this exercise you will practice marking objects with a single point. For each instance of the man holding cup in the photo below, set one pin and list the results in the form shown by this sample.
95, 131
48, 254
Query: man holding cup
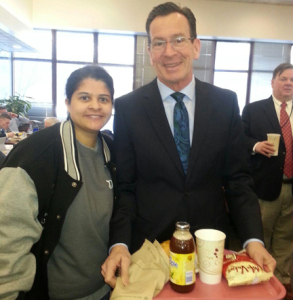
268, 126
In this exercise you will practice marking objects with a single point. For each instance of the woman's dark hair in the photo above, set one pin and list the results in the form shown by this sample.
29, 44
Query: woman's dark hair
168, 8
95, 72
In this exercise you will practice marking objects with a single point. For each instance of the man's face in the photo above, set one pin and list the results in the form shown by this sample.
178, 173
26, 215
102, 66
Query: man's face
4, 123
173, 67
282, 86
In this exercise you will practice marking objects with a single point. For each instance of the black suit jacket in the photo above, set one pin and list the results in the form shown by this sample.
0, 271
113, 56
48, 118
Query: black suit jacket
260, 118
2, 132
154, 191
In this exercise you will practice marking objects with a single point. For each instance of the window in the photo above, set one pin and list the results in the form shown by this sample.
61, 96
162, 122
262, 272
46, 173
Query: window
231, 68
260, 86
34, 79
144, 71
123, 79
5, 75
232, 56
238, 66
41, 40
203, 68
266, 57
75, 46
236, 82
116, 49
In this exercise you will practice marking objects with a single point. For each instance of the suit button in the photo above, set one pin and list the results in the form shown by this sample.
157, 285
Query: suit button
284, 153
187, 194
281, 168
58, 217
114, 169
74, 184
46, 252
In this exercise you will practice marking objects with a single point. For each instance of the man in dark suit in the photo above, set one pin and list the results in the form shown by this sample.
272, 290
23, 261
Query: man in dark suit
175, 169
273, 175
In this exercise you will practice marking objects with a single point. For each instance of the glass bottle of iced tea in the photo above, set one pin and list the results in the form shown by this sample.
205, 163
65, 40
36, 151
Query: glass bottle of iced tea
182, 253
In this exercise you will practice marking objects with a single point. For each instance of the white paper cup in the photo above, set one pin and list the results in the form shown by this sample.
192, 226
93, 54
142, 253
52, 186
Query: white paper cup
210, 253
275, 139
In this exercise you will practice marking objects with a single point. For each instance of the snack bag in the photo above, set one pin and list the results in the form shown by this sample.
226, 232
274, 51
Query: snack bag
240, 269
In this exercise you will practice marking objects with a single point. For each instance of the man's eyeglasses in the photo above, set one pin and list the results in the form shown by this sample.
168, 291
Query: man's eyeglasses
177, 43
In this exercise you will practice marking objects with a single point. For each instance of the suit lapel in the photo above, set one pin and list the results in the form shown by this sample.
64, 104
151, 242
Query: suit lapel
270, 111
153, 105
202, 115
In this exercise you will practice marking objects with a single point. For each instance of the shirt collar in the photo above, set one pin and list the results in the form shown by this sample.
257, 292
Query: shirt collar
189, 90
278, 102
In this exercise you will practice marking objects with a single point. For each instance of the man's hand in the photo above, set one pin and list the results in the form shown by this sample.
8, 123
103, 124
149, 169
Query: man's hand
258, 252
119, 258
265, 148
10, 134
12, 115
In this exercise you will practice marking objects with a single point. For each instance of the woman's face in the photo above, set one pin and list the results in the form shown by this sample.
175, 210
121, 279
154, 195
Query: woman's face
90, 107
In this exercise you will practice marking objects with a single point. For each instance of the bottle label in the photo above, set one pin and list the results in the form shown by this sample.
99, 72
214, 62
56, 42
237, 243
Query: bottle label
182, 268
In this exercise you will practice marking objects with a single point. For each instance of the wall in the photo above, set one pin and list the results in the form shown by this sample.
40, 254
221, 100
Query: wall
22, 10
214, 18
16, 23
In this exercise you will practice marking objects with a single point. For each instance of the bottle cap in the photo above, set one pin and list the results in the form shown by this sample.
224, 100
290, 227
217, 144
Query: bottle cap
182, 225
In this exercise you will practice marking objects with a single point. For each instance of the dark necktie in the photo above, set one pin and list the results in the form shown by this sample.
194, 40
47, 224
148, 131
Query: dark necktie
181, 129
287, 135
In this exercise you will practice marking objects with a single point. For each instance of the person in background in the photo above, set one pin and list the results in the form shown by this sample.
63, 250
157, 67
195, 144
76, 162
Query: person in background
56, 197
273, 175
178, 142
16, 120
4, 124
50, 121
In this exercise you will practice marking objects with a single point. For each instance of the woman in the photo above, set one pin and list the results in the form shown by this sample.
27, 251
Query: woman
56, 199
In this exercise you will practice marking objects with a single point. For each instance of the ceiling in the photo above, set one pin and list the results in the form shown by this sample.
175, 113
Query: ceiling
10, 43
275, 2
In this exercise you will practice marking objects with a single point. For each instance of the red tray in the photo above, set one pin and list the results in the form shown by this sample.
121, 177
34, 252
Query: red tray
273, 289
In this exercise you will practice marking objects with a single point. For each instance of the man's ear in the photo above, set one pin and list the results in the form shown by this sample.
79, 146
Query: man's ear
151, 56
67, 103
196, 46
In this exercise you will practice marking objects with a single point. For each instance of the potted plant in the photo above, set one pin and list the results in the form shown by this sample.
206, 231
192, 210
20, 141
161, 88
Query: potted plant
16, 105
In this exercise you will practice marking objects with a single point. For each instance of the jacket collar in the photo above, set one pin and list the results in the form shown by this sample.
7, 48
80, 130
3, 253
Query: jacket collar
154, 107
70, 151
